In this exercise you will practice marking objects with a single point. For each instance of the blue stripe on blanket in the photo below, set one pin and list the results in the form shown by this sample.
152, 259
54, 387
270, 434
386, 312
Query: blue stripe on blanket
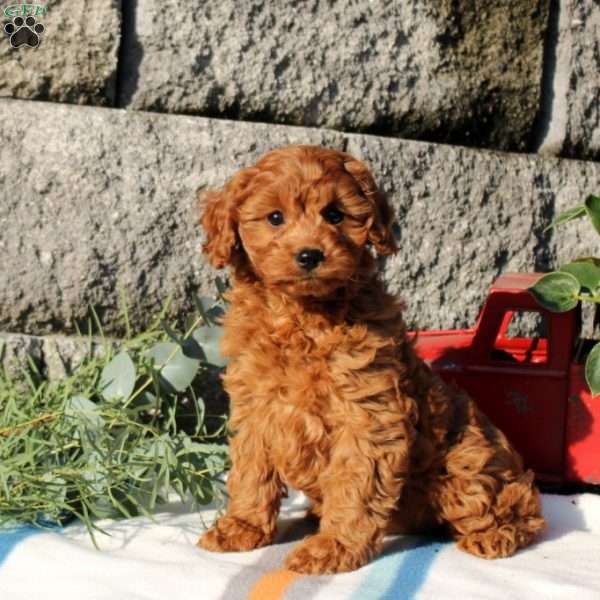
9, 538
401, 571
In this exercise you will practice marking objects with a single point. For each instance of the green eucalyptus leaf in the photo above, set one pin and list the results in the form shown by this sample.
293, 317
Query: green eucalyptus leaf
55, 487
85, 411
215, 314
200, 410
70, 450
592, 208
209, 339
118, 378
174, 367
586, 271
143, 403
170, 332
556, 291
205, 491
204, 448
571, 214
221, 286
203, 304
592, 370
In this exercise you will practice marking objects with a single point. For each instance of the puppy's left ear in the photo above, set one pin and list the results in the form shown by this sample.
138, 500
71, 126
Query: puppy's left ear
380, 228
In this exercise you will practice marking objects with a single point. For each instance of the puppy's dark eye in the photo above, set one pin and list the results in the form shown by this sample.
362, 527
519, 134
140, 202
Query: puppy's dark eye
276, 218
332, 214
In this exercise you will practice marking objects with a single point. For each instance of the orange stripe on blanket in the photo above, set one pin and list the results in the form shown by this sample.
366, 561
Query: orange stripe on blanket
273, 585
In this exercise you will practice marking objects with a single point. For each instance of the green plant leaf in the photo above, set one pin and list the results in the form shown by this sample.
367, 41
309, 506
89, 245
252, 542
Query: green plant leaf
118, 378
571, 214
73, 451
592, 370
175, 368
85, 411
170, 332
592, 208
55, 487
586, 271
221, 286
209, 339
556, 291
204, 448
203, 305
214, 314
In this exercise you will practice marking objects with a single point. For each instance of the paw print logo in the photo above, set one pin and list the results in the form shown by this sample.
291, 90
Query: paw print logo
24, 32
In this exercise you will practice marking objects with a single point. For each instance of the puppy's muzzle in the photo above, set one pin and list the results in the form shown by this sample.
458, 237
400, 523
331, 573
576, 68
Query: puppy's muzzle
309, 258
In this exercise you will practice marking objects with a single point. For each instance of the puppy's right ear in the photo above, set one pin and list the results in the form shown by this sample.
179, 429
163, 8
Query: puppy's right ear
220, 227
220, 218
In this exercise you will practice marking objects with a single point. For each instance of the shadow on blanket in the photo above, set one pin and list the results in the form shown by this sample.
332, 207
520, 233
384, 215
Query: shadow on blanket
562, 517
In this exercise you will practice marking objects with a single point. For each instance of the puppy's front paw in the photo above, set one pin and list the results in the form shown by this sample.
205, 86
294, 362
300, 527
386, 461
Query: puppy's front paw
320, 554
230, 534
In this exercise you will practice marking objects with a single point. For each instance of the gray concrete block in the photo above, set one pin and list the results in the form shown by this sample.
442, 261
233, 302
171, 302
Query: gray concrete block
442, 71
55, 356
76, 59
466, 216
16, 352
572, 126
107, 207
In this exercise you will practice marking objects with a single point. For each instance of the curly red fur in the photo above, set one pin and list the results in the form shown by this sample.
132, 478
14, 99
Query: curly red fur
328, 395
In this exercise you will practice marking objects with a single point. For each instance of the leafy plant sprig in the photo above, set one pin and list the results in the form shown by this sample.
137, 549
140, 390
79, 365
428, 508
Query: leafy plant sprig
577, 281
118, 435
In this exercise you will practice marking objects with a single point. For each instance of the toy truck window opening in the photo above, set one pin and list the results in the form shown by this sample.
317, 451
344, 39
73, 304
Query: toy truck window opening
522, 338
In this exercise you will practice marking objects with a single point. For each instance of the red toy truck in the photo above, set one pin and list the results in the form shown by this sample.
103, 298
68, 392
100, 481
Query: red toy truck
531, 386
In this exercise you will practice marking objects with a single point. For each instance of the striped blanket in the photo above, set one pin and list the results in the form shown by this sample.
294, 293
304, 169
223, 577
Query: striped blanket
146, 561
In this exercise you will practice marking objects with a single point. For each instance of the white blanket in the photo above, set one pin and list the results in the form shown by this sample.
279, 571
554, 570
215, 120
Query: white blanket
157, 561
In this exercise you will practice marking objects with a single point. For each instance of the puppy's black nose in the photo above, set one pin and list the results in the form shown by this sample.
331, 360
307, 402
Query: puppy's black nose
309, 258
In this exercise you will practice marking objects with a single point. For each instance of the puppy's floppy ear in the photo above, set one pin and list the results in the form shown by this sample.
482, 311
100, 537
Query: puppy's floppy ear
380, 229
220, 219
220, 225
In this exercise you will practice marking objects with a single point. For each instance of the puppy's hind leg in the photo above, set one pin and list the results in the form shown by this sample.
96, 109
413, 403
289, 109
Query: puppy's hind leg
496, 509
517, 521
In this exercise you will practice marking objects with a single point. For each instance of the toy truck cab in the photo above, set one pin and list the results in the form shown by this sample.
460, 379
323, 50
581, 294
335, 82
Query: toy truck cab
519, 363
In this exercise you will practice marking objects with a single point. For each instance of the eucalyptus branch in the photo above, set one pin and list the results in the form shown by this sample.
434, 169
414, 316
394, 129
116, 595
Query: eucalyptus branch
120, 434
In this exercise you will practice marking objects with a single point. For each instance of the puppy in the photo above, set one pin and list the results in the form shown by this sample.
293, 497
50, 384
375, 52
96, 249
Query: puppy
327, 393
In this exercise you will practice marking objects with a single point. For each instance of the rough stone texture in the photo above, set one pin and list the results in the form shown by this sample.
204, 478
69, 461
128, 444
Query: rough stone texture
466, 216
441, 70
62, 354
573, 98
76, 60
577, 238
109, 206
16, 351
55, 356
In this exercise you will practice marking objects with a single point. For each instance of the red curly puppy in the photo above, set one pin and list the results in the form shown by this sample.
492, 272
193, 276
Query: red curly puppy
327, 393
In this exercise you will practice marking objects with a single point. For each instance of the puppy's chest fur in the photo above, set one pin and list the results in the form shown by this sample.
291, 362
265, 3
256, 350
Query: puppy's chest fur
297, 379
